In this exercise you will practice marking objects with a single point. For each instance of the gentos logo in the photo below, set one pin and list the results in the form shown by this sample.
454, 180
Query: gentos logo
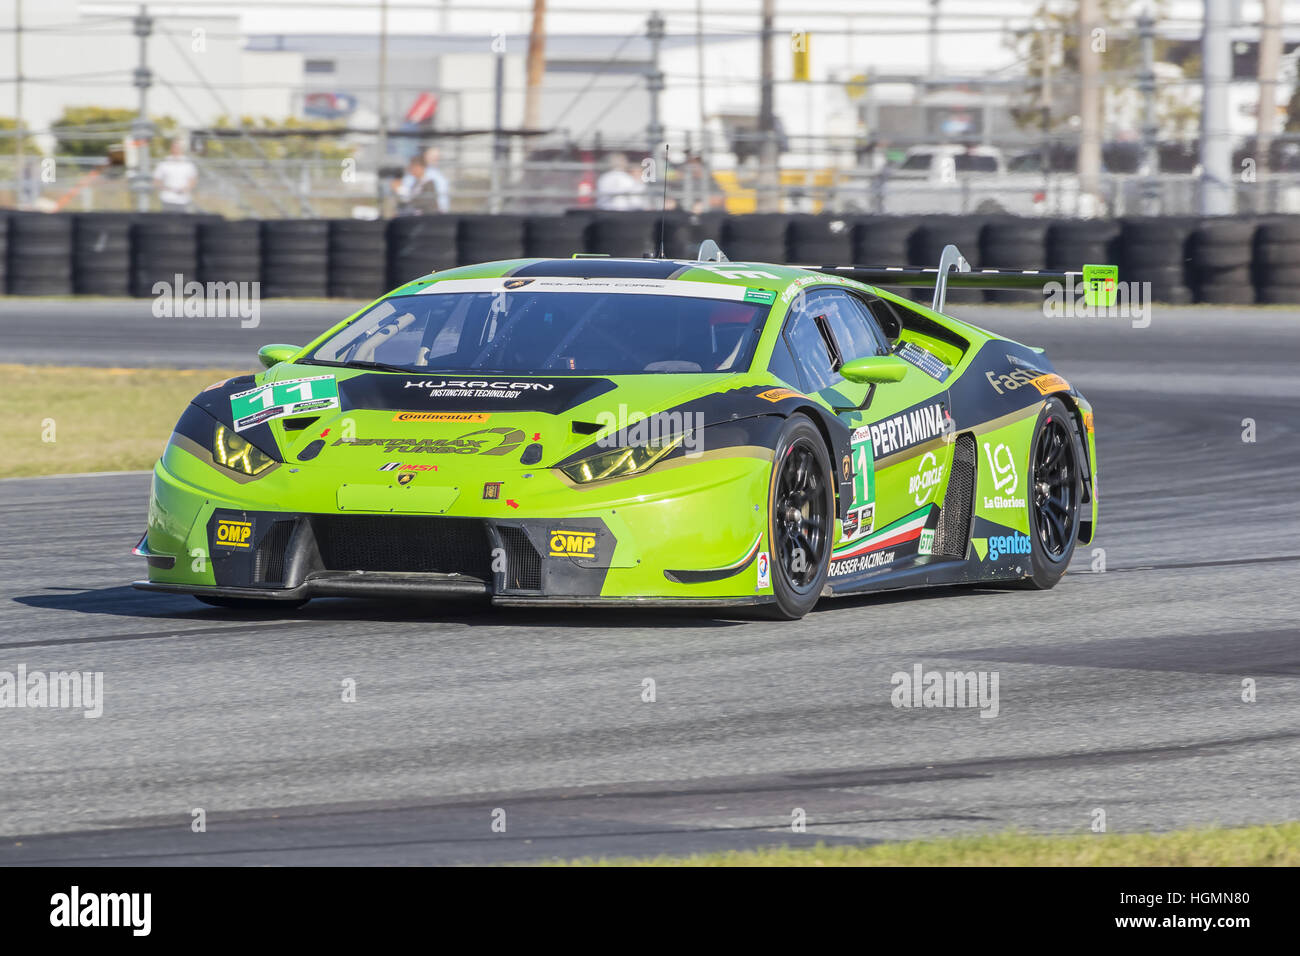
234, 534
1009, 544
1044, 383
573, 544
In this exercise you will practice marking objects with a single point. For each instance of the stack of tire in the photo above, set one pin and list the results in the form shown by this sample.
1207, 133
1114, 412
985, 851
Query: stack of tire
39, 254
295, 258
163, 247
1016, 244
488, 238
759, 237
418, 245
1075, 243
634, 235
883, 240
1221, 252
819, 241
101, 253
230, 251
1277, 261
1155, 250
556, 237
935, 232
358, 258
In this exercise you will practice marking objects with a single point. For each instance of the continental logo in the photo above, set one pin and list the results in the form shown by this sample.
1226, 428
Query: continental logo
1044, 382
778, 394
573, 544
472, 418
234, 534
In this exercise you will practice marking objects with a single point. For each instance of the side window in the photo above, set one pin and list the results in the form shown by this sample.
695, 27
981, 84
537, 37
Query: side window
783, 367
810, 351
854, 328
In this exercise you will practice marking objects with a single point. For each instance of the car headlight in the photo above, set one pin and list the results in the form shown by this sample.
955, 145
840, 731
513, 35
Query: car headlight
620, 462
231, 451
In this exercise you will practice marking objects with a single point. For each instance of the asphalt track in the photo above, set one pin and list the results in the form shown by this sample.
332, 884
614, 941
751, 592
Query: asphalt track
1119, 690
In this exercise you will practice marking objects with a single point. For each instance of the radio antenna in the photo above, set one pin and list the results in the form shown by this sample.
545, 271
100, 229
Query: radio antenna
663, 208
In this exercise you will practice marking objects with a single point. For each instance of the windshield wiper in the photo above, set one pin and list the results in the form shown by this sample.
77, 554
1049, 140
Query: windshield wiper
378, 366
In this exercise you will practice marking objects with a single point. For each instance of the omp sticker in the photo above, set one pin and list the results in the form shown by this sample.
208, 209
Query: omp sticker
234, 534
278, 399
573, 544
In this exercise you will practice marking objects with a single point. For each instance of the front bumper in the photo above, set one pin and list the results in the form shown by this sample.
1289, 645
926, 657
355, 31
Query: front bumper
633, 542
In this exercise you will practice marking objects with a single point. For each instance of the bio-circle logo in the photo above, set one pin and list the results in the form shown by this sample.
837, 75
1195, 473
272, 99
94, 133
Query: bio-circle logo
926, 480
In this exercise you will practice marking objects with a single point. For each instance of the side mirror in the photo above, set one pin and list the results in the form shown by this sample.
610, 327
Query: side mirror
874, 370
271, 355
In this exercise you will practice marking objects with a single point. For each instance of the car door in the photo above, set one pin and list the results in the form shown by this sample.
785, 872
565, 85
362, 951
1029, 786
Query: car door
898, 458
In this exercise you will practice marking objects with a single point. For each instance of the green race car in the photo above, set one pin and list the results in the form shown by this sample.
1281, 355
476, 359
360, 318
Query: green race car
595, 431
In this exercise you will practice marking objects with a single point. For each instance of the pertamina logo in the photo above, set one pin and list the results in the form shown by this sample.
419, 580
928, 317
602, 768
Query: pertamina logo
573, 544
923, 485
234, 534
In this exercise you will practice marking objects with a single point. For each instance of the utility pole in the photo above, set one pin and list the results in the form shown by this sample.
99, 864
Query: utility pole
1045, 103
699, 80
1217, 193
381, 190
498, 138
1089, 104
20, 181
769, 178
932, 67
536, 67
1146, 81
654, 79
141, 129
1270, 59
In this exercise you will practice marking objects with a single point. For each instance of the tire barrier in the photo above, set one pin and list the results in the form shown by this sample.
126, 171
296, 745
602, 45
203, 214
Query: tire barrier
1155, 250
358, 263
488, 238
230, 251
556, 237
935, 232
39, 254
819, 240
101, 253
418, 245
295, 258
1220, 252
1013, 244
1222, 260
1276, 261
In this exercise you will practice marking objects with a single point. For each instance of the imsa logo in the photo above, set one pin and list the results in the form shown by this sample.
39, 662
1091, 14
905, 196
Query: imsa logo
234, 534
573, 544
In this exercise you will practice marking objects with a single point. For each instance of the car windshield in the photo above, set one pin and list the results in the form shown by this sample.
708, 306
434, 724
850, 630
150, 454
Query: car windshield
550, 332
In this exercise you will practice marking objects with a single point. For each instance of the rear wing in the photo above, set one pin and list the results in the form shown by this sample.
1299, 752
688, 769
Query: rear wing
1097, 281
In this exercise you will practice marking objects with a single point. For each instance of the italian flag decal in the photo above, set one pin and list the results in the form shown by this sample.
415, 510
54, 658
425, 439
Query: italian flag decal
906, 528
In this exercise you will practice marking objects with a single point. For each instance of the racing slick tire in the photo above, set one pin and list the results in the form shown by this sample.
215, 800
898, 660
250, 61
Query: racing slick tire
1055, 493
250, 604
801, 519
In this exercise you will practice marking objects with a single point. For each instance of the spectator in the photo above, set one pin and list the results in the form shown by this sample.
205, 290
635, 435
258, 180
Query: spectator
410, 187
176, 177
617, 189
434, 177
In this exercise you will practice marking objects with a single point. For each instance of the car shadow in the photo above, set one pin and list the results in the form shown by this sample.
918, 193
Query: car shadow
126, 601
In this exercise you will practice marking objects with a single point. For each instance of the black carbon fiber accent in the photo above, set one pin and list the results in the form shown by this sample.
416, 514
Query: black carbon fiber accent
268, 560
417, 544
523, 563
953, 535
